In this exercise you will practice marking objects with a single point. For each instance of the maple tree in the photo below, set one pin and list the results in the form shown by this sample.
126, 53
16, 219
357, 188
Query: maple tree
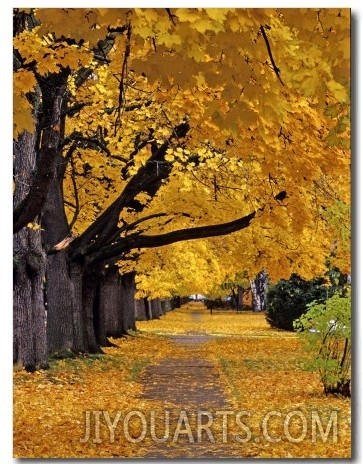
153, 126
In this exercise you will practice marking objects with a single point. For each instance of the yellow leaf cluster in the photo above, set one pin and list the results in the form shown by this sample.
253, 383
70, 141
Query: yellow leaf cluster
250, 136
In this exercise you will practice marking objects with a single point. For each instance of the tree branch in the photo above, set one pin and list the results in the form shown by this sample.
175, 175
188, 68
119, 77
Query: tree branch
126, 227
152, 241
121, 99
145, 180
171, 16
275, 68
54, 99
76, 198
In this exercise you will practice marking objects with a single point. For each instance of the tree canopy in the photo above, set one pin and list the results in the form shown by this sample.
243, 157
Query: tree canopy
172, 121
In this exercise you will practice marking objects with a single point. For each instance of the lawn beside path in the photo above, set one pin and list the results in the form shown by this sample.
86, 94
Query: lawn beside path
190, 384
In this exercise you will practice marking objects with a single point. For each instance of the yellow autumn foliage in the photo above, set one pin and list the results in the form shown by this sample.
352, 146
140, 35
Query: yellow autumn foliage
251, 137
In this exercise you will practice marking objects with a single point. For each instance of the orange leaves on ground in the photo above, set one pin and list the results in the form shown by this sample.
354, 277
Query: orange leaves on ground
260, 370
264, 376
50, 406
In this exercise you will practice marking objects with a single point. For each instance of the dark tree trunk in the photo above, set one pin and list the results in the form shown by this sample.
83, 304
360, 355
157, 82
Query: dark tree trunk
92, 316
128, 290
110, 306
175, 302
61, 308
66, 329
340, 388
156, 309
116, 304
237, 298
149, 314
240, 295
29, 314
140, 310
70, 319
165, 305
258, 289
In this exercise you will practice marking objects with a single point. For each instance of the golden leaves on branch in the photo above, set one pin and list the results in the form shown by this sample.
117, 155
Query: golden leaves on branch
212, 67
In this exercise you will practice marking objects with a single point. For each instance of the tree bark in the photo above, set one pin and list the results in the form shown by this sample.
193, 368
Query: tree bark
68, 324
149, 314
110, 306
65, 328
128, 290
258, 288
29, 316
54, 100
140, 310
131, 242
60, 305
156, 308
240, 294
116, 305
165, 305
92, 316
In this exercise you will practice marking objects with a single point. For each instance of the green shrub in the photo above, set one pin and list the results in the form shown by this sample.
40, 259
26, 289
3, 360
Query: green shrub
287, 300
326, 329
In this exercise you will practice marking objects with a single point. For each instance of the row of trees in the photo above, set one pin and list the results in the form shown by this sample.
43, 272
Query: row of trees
136, 129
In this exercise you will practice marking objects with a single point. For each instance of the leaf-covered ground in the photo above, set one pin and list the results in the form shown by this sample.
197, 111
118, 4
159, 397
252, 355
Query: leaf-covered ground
171, 366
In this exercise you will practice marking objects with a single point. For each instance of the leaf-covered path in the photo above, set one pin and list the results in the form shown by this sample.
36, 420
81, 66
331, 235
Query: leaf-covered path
236, 376
193, 385
175, 389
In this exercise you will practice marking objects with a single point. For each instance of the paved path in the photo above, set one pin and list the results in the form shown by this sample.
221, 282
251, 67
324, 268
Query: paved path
189, 386
172, 379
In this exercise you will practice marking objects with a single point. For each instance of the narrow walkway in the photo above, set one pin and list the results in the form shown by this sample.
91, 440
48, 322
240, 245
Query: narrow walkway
190, 388
190, 382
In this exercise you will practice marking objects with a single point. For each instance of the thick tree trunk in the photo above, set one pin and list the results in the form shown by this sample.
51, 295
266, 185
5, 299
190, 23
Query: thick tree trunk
149, 313
66, 328
29, 310
116, 305
128, 290
165, 305
70, 319
175, 302
91, 314
60, 305
140, 310
258, 288
240, 295
29, 314
109, 323
156, 309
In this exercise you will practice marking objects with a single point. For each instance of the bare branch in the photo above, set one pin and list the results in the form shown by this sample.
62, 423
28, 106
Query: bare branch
275, 68
123, 75
152, 241
171, 16
75, 189
126, 227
